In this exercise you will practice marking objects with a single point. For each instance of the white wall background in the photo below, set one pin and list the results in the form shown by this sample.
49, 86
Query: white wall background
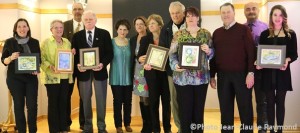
40, 24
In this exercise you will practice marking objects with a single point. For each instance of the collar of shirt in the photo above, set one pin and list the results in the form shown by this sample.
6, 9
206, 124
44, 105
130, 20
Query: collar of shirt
75, 24
230, 25
175, 28
87, 34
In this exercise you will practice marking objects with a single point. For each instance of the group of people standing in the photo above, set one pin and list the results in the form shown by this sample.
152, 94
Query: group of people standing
230, 52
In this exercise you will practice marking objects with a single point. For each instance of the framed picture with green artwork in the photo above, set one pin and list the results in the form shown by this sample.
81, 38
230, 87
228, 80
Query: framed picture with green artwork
157, 57
89, 58
271, 56
190, 55
27, 63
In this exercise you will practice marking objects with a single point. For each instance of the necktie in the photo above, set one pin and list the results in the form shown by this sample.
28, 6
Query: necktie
90, 40
77, 28
250, 26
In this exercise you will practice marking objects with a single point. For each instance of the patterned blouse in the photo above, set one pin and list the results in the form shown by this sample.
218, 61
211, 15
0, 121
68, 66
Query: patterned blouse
189, 76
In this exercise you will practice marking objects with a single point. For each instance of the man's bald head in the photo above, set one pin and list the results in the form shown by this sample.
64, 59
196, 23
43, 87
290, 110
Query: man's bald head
251, 11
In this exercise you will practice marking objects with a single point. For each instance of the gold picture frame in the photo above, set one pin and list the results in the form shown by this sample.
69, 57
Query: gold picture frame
64, 61
89, 58
157, 57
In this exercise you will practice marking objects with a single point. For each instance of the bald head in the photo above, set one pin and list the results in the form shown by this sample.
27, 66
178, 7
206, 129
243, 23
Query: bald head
251, 11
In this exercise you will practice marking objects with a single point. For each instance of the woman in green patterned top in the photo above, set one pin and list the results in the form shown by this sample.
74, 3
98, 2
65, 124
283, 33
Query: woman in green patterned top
57, 84
191, 85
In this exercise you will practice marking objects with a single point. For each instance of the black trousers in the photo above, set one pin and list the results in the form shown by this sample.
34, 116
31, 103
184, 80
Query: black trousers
191, 102
24, 89
261, 102
232, 85
276, 98
122, 98
159, 88
81, 113
57, 106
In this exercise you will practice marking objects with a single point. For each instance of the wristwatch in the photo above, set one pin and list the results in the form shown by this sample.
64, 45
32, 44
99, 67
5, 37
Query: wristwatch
251, 73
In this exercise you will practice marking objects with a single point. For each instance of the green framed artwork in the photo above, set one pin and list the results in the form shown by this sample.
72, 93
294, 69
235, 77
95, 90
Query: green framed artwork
89, 58
27, 63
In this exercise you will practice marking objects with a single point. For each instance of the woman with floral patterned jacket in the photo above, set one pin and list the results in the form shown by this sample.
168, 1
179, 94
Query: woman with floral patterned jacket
191, 84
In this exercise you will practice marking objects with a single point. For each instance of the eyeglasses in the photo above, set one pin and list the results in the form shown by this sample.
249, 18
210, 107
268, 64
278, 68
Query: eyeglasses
77, 9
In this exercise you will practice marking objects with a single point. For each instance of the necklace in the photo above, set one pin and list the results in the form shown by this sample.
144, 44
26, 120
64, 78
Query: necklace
278, 32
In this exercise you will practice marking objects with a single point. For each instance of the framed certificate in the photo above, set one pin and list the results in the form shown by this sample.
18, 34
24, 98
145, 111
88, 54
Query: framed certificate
64, 61
27, 63
89, 58
271, 56
157, 57
190, 55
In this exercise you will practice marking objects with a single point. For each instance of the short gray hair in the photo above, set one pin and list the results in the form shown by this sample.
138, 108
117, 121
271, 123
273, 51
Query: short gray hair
177, 3
89, 12
54, 21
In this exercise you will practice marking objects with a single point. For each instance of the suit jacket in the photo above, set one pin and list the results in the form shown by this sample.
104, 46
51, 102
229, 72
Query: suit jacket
102, 40
68, 30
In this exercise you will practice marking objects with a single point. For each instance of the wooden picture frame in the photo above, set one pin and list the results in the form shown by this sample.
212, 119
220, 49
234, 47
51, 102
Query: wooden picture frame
271, 56
89, 58
190, 56
64, 61
27, 63
157, 57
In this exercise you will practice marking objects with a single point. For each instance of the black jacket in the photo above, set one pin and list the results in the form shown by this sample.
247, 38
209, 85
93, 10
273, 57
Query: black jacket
165, 39
102, 40
11, 45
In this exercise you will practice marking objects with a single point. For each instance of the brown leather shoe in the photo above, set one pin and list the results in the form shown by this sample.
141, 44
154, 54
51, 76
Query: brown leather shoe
119, 130
128, 129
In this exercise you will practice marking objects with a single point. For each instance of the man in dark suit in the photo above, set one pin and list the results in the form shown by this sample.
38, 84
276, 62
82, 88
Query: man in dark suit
93, 37
70, 27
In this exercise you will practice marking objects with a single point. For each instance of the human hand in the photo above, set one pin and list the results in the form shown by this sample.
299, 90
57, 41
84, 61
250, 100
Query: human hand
147, 67
213, 83
73, 51
178, 69
283, 68
142, 59
79, 68
249, 80
100, 66
205, 48
14, 55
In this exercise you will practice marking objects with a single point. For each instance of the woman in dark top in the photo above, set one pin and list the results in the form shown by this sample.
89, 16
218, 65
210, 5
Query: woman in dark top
140, 87
276, 82
157, 80
23, 87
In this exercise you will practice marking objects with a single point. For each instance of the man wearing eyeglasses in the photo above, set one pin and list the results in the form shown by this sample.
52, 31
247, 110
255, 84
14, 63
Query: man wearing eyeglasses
71, 27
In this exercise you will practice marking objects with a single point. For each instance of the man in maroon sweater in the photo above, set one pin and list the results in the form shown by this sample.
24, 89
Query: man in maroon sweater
234, 65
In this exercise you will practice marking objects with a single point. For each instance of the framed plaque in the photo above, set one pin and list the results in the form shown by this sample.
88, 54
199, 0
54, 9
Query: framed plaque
27, 63
89, 58
271, 56
190, 55
157, 57
64, 61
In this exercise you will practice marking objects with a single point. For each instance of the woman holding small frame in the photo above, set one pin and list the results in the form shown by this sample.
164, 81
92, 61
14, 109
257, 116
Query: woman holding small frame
23, 87
276, 82
57, 83
191, 85
157, 81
